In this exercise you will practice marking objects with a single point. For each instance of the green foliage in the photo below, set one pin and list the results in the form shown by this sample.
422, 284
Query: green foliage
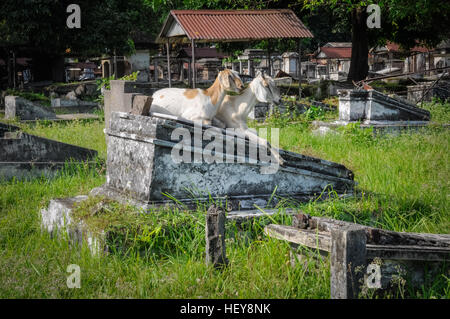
130, 77
314, 113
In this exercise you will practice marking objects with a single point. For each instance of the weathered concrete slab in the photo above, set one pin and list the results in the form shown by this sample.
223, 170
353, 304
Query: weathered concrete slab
25, 156
141, 168
23, 109
379, 127
73, 106
58, 221
76, 116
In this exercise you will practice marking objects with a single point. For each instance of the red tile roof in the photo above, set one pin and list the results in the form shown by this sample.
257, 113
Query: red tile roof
394, 47
202, 53
337, 53
236, 25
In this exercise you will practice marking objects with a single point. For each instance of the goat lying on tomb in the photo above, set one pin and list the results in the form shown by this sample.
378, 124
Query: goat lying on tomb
234, 110
197, 104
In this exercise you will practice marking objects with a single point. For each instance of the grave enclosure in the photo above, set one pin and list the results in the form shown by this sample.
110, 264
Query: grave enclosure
141, 171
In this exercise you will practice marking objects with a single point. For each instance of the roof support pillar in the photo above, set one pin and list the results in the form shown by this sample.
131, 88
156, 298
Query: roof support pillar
299, 68
115, 65
169, 76
269, 60
189, 73
193, 64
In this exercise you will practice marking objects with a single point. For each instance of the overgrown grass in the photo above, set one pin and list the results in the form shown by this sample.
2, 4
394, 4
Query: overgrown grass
404, 186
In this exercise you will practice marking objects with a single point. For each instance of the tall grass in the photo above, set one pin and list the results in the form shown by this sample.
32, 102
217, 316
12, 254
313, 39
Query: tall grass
402, 182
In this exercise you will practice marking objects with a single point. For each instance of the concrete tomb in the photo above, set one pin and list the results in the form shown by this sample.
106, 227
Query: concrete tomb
368, 106
374, 109
25, 156
141, 166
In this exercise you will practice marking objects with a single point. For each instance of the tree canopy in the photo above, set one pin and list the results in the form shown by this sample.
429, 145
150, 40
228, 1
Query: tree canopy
408, 23
105, 25
109, 25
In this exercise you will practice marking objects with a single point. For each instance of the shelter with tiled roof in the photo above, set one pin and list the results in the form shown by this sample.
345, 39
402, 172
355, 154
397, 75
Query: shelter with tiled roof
201, 26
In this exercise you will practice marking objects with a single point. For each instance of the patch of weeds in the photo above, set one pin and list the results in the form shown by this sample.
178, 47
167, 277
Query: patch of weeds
358, 135
128, 229
314, 113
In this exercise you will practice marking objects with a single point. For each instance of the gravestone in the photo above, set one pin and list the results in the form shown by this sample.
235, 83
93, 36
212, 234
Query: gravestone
426, 91
127, 96
73, 105
23, 109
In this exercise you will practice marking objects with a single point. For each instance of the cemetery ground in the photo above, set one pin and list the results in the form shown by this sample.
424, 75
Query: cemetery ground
403, 185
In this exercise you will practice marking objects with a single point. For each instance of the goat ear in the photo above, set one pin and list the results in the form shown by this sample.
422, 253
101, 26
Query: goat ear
224, 79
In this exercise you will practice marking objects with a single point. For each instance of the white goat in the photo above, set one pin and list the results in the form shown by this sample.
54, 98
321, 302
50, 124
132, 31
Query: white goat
197, 104
234, 110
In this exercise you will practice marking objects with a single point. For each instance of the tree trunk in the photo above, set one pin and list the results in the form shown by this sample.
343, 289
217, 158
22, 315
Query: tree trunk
360, 47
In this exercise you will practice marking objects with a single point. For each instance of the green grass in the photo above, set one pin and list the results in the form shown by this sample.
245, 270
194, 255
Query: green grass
403, 180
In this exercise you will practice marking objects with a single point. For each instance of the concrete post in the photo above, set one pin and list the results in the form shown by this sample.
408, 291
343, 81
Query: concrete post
215, 237
348, 260
240, 67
